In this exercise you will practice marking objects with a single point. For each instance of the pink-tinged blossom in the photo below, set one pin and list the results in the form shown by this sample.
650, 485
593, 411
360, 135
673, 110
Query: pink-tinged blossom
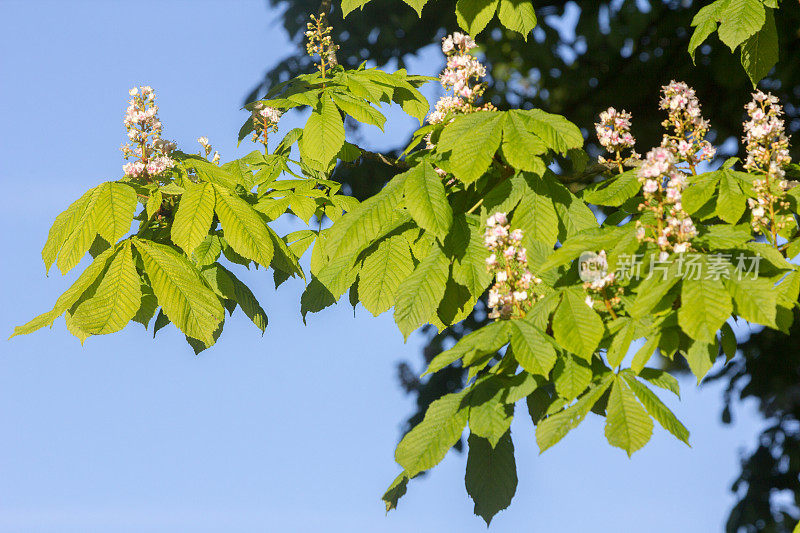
265, 121
767, 154
510, 296
613, 133
688, 128
144, 133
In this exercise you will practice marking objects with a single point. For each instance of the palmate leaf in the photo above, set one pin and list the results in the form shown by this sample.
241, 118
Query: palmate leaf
533, 349
571, 376
491, 477
181, 293
473, 140
193, 217
419, 295
70, 296
558, 133
656, 408
426, 200
382, 273
519, 145
483, 341
106, 210
628, 425
759, 52
705, 306
705, 23
739, 19
490, 415
474, 15
356, 229
323, 135
576, 326
245, 230
553, 428
536, 215
426, 444
231, 288
518, 16
469, 267
116, 299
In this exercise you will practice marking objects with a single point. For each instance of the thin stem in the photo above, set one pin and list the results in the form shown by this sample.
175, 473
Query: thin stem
474, 207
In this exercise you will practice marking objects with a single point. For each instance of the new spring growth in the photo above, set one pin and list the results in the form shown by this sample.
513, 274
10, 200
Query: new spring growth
320, 43
767, 154
265, 121
601, 287
512, 294
687, 129
462, 74
149, 151
206, 150
614, 134
663, 184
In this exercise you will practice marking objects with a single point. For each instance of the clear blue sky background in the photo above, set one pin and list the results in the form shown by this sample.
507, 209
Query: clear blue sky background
294, 431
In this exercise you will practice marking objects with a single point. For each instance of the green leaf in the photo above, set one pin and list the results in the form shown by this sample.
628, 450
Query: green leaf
483, 341
426, 200
705, 23
705, 306
473, 140
489, 414
518, 16
701, 357
627, 424
755, 300
194, 216
656, 408
474, 15
576, 326
556, 131
323, 135
116, 203
417, 5
244, 228
731, 202
350, 5
70, 296
359, 110
621, 342
181, 293
395, 491
382, 273
231, 288
760, 52
536, 215
208, 250
533, 348
519, 145
661, 378
356, 229
426, 444
106, 210
571, 376
553, 428
739, 20
491, 477
116, 299
469, 267
419, 295
615, 191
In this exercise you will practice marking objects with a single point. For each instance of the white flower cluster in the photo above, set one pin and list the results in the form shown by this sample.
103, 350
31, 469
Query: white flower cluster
144, 133
207, 149
663, 184
767, 154
462, 74
265, 121
603, 288
511, 295
687, 140
614, 134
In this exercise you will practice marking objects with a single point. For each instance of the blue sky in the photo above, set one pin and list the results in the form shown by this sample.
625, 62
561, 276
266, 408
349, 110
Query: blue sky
292, 431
